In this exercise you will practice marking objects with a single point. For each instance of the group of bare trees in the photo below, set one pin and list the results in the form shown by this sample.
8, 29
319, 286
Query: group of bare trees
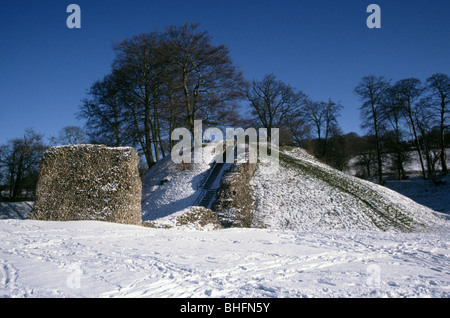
163, 80
160, 81
301, 121
19, 164
402, 112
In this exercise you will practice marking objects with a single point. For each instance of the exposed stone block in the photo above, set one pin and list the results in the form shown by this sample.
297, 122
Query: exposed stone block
89, 182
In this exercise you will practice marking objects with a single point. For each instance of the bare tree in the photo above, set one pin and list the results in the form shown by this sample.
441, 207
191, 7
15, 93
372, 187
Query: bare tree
161, 80
209, 81
371, 91
366, 157
394, 133
275, 103
300, 130
337, 154
407, 93
331, 113
20, 160
430, 135
139, 66
323, 117
104, 113
439, 87
172, 102
71, 135
314, 113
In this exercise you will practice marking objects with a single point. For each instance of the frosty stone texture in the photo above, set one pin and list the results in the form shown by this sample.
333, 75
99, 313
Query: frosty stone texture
89, 182
235, 196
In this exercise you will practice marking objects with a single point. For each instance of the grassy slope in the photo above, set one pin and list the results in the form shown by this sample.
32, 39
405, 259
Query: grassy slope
384, 214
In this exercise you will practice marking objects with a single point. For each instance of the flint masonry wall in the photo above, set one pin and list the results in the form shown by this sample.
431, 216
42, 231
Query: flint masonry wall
89, 182
235, 196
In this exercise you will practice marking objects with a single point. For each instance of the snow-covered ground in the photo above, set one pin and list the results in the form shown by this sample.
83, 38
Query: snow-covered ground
95, 259
425, 192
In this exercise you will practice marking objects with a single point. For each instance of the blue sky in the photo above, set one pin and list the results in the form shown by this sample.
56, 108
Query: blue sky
321, 47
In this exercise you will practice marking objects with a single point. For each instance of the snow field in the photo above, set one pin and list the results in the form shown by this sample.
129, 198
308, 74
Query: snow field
95, 259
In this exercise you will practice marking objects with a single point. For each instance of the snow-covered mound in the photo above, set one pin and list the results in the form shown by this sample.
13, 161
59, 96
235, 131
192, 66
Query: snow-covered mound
169, 187
301, 193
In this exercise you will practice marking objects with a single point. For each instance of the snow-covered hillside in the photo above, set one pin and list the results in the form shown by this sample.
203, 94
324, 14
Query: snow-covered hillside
298, 194
169, 187
302, 193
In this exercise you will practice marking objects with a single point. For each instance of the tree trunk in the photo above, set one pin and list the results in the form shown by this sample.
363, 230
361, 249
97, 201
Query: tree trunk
430, 165
158, 130
17, 184
116, 127
419, 151
154, 139
380, 162
11, 185
190, 119
319, 141
325, 142
148, 154
171, 121
377, 141
442, 140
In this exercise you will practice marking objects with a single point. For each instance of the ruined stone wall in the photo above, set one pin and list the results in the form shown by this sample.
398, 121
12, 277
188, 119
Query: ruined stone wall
89, 182
234, 198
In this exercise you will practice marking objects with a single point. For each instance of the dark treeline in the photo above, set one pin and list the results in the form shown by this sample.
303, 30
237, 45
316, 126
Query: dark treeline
163, 80
19, 165
405, 116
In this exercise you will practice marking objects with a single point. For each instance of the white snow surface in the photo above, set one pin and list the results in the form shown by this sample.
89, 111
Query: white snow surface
169, 187
95, 259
